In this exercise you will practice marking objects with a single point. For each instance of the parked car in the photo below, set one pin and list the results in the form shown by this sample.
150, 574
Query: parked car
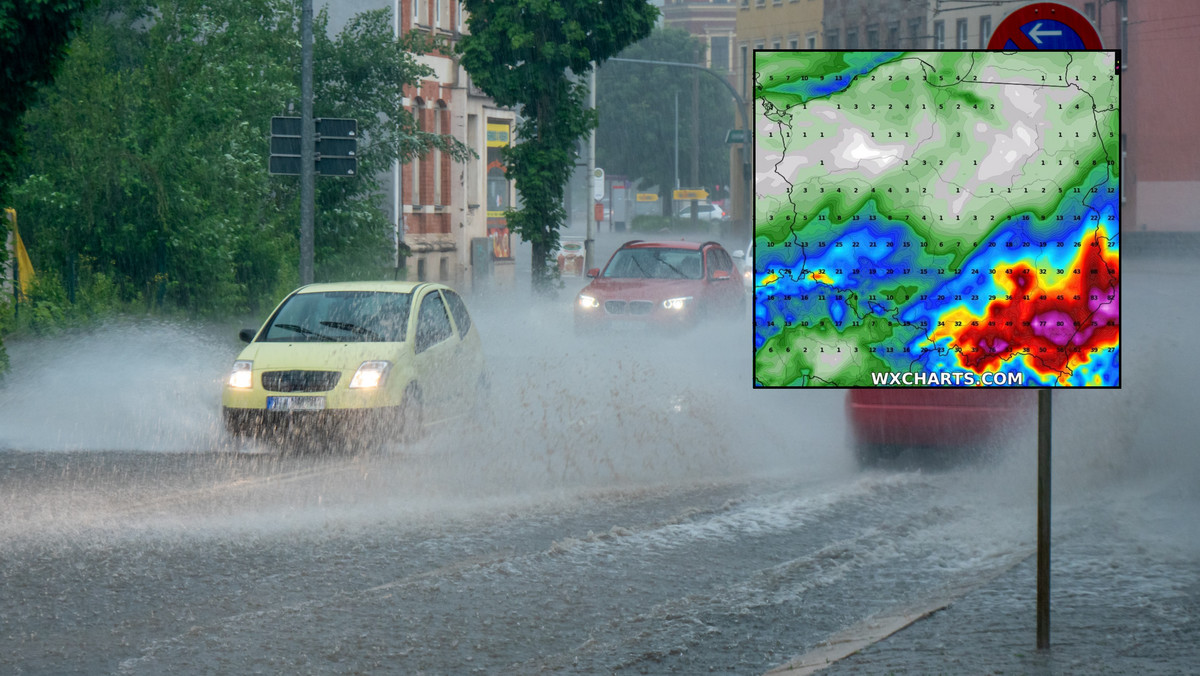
336, 359
705, 211
664, 284
885, 422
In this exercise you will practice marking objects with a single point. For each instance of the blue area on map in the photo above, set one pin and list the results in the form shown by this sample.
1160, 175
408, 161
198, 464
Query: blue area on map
814, 88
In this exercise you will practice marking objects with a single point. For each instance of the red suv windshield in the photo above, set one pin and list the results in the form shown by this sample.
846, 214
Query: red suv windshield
655, 263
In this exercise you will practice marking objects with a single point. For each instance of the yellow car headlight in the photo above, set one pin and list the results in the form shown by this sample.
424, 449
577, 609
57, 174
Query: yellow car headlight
587, 302
242, 375
369, 374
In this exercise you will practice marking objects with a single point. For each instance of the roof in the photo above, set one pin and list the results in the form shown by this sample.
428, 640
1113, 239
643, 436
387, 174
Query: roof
664, 244
381, 286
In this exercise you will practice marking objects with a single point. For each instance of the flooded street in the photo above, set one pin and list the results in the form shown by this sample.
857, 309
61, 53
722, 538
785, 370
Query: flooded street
622, 506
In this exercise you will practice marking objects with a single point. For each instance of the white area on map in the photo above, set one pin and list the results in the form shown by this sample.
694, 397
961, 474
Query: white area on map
858, 152
1008, 152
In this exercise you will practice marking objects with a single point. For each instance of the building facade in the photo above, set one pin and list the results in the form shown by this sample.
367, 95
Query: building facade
437, 205
713, 22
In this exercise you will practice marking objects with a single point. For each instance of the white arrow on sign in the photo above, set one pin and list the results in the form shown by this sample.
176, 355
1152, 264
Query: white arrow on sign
1036, 33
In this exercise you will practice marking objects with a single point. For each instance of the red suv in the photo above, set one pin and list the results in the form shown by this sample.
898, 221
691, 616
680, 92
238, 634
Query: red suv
664, 284
886, 421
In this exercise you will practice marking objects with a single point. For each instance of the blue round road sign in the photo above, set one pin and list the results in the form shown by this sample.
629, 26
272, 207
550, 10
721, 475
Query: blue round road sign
1045, 25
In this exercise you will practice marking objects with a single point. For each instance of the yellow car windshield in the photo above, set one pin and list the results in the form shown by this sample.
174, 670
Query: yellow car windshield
341, 316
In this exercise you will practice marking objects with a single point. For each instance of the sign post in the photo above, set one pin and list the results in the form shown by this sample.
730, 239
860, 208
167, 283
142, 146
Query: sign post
1044, 26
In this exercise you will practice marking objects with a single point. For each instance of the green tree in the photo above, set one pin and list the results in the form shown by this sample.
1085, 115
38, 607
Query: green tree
147, 163
636, 103
33, 41
533, 54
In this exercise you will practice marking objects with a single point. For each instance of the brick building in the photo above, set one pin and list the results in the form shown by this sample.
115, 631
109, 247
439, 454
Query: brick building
437, 205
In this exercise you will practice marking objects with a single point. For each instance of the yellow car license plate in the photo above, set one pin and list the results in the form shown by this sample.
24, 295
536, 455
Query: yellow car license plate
295, 403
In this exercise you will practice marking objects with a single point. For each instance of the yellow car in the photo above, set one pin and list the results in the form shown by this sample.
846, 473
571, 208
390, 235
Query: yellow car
357, 356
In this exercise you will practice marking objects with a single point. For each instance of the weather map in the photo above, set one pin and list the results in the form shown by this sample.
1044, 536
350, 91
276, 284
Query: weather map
943, 218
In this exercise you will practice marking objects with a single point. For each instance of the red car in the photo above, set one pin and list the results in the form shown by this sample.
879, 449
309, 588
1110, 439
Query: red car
886, 421
663, 284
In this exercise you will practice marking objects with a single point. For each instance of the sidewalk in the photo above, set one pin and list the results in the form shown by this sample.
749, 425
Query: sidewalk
1125, 599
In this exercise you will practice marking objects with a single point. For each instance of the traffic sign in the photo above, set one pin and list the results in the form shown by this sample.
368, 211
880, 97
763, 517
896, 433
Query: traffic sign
336, 146
735, 136
597, 184
1045, 25
647, 197
700, 194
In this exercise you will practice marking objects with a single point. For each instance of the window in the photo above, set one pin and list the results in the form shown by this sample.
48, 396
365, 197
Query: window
811, 40
893, 38
433, 324
960, 29
915, 30
852, 39
719, 260
872, 37
416, 164
416, 11
985, 31
719, 53
794, 43
745, 70
939, 34
462, 318
441, 125
1089, 10
831, 40
776, 43
344, 316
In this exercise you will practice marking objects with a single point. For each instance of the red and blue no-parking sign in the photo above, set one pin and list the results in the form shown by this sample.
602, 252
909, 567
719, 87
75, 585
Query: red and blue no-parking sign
1045, 25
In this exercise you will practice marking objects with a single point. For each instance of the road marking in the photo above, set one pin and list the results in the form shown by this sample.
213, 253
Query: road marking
877, 627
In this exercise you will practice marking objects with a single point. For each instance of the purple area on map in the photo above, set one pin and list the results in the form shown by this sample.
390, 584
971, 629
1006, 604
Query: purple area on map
1104, 308
1059, 335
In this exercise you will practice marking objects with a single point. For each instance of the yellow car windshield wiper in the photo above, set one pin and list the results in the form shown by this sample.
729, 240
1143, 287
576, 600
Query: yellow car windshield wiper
306, 332
354, 328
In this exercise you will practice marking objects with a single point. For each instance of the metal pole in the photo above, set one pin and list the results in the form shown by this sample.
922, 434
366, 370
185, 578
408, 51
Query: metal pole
588, 242
696, 145
1043, 521
307, 150
676, 142
397, 194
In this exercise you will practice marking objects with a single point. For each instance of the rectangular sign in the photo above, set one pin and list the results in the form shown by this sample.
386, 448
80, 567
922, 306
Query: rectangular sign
647, 197
690, 194
289, 165
497, 135
285, 126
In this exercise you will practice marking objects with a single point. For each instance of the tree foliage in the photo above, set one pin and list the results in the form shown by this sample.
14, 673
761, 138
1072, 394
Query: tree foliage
533, 54
33, 41
636, 104
147, 163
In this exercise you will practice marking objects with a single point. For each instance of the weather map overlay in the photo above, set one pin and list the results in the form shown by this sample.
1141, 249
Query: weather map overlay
943, 218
